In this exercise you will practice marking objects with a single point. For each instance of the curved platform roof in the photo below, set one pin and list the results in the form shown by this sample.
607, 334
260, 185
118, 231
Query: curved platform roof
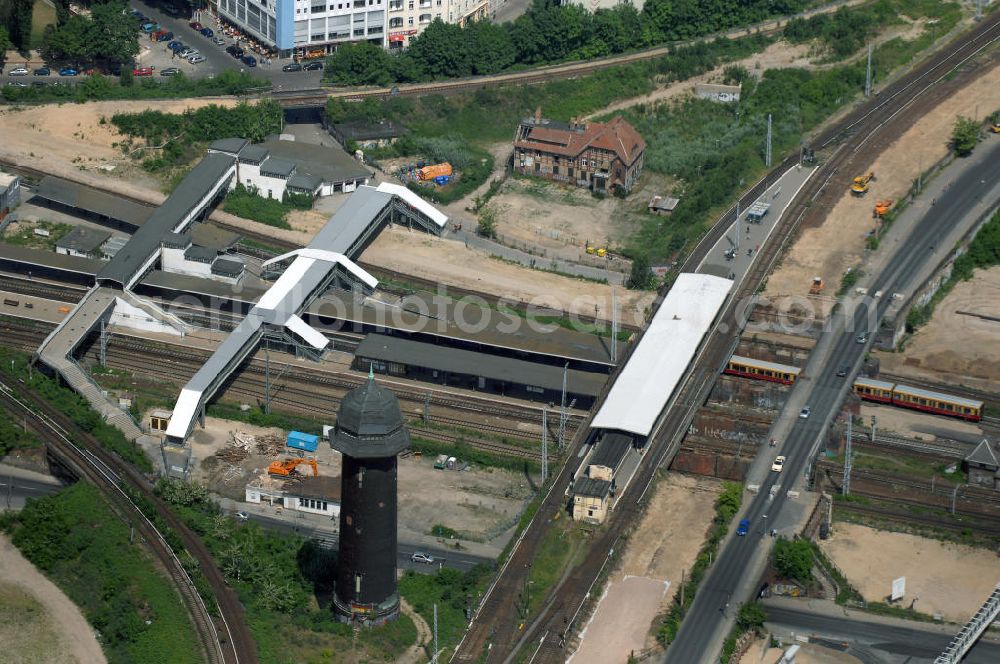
663, 355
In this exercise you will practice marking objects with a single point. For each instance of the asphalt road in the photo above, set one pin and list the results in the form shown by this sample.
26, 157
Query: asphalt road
442, 557
14, 491
702, 630
872, 641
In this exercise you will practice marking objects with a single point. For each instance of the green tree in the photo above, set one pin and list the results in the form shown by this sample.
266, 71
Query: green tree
487, 226
491, 49
964, 136
359, 64
793, 559
113, 37
641, 277
442, 51
16, 16
72, 41
751, 617
5, 44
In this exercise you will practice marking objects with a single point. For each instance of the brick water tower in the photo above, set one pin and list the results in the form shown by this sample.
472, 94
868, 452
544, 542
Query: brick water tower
369, 433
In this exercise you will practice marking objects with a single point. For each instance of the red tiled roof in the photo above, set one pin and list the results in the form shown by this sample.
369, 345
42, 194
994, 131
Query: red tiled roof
617, 136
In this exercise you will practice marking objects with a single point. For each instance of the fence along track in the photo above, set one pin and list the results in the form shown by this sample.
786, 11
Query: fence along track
87, 465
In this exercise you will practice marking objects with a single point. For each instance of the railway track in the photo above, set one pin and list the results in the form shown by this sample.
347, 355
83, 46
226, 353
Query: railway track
496, 629
28, 338
232, 642
976, 524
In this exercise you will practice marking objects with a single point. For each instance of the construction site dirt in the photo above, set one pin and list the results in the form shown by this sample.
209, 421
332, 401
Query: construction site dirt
480, 505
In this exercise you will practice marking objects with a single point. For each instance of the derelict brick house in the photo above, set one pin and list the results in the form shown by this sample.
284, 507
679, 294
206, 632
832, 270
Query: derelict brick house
595, 155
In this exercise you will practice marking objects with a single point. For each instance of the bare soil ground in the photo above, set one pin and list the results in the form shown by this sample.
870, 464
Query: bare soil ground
911, 423
945, 578
658, 552
808, 653
932, 352
549, 218
450, 262
480, 503
829, 250
39, 624
70, 138
616, 629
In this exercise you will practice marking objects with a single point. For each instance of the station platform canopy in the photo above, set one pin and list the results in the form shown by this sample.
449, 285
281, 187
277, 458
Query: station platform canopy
657, 365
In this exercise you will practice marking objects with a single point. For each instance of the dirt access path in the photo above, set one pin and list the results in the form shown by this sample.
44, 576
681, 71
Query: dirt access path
415, 654
838, 243
945, 578
932, 352
658, 553
39, 623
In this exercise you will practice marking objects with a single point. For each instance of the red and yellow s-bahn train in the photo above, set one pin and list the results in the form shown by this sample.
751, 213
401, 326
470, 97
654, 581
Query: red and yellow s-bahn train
869, 389
761, 370
905, 396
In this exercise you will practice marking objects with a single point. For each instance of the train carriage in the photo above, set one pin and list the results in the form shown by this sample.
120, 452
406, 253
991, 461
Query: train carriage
937, 403
748, 367
874, 390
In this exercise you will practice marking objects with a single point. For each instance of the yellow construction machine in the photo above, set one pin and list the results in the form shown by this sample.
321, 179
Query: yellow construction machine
859, 186
285, 468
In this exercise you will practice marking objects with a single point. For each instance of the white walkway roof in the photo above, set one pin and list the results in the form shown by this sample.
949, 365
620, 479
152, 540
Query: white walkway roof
415, 202
661, 359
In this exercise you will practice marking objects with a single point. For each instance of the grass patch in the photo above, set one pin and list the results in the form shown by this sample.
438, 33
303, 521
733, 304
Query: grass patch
909, 466
25, 236
249, 204
42, 16
13, 437
560, 549
83, 546
456, 595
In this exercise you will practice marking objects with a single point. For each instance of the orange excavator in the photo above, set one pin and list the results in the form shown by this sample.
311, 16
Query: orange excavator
859, 186
285, 468
881, 207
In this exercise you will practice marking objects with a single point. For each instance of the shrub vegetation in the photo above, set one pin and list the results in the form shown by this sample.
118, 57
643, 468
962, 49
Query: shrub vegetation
85, 548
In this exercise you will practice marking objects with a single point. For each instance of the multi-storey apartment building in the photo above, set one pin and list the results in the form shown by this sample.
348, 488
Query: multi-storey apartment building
307, 27
408, 18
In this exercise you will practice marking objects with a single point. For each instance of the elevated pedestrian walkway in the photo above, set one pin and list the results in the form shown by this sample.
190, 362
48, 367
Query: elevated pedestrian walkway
57, 350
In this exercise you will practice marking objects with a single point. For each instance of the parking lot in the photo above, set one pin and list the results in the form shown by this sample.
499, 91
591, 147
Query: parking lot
159, 56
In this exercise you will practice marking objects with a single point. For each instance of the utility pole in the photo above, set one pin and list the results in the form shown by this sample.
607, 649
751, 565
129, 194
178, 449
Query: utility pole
562, 414
874, 422
979, 10
845, 488
545, 443
427, 408
767, 153
103, 356
614, 327
954, 495
868, 73
267, 377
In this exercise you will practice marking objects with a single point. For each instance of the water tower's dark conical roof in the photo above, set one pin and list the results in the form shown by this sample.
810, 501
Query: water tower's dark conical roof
370, 423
